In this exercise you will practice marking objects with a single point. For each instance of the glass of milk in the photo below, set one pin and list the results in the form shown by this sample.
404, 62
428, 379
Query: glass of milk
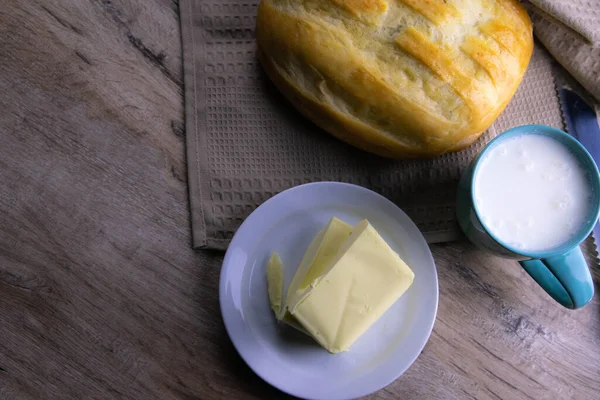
533, 195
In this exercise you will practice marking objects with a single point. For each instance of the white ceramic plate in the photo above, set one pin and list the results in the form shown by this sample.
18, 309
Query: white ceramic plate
291, 361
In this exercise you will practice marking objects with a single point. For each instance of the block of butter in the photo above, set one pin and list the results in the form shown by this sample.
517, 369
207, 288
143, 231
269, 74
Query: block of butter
347, 279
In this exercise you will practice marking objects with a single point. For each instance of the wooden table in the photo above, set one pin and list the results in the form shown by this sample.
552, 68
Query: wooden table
101, 295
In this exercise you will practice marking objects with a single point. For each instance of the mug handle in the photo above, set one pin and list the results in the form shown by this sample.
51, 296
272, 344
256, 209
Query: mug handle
565, 277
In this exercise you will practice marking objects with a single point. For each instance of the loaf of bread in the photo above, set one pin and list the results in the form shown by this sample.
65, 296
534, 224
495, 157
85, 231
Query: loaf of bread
399, 78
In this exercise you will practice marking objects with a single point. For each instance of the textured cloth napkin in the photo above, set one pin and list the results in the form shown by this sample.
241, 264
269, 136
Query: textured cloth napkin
570, 30
245, 143
580, 18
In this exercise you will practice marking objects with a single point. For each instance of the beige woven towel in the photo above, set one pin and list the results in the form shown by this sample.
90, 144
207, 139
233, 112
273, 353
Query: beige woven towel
570, 30
245, 143
579, 18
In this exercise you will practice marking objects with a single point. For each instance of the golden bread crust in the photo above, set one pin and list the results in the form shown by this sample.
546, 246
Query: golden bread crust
399, 78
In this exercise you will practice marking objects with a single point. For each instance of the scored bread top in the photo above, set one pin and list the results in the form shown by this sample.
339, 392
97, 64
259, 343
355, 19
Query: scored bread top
399, 78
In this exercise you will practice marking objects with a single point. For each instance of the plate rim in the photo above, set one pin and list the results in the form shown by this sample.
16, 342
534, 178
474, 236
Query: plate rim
226, 261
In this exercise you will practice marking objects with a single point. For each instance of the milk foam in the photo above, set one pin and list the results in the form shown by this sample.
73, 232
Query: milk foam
532, 193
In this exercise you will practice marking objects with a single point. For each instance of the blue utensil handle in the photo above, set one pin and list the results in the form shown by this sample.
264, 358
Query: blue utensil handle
565, 277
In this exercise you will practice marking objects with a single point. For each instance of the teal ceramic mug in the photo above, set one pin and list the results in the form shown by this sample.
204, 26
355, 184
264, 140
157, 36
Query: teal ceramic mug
562, 271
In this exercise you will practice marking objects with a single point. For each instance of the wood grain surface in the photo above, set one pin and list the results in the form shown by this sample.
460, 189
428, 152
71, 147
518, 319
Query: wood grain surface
101, 295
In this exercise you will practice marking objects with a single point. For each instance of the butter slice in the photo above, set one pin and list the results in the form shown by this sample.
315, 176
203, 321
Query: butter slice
275, 282
351, 290
275, 290
323, 249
